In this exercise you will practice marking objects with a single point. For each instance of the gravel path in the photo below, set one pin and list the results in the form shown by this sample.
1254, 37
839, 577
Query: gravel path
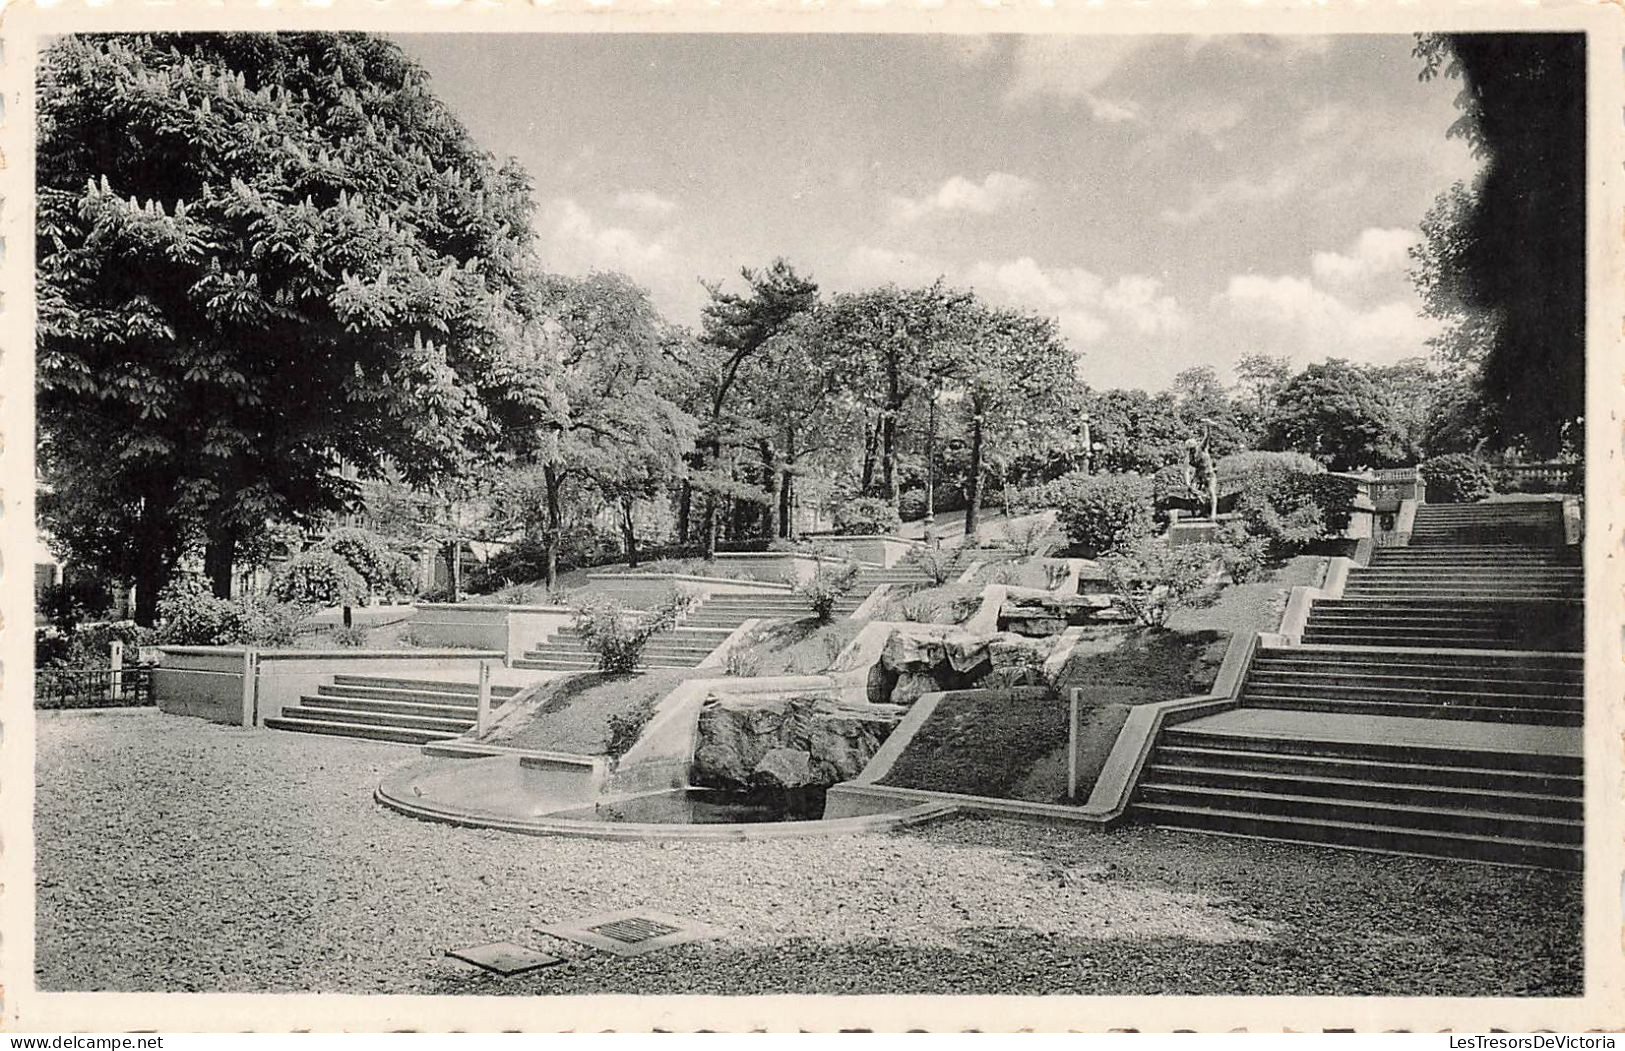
178, 855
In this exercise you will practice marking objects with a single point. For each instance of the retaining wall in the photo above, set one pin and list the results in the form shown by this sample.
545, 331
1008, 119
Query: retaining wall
242, 686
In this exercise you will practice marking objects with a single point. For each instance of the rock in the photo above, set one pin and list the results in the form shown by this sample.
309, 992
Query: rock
784, 767
736, 735
911, 686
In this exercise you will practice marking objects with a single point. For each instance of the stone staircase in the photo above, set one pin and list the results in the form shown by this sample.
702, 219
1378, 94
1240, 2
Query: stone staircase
682, 647
1435, 709
731, 610
386, 708
1508, 806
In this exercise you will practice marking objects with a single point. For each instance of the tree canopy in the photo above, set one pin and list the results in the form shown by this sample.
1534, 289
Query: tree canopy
1503, 261
260, 256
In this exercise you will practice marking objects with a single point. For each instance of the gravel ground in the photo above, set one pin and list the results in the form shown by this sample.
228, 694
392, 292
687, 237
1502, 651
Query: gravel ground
178, 855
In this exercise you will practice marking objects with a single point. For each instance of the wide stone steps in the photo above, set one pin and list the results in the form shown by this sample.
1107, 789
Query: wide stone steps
1419, 708
384, 708
1510, 807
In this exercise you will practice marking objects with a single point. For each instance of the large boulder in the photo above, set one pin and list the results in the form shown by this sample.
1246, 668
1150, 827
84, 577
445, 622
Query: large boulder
748, 740
783, 768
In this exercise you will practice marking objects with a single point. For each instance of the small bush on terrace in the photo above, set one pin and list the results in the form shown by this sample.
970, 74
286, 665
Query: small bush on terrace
1102, 513
190, 616
1457, 478
941, 564
1292, 509
867, 516
1033, 537
826, 586
349, 637
319, 578
1151, 580
616, 636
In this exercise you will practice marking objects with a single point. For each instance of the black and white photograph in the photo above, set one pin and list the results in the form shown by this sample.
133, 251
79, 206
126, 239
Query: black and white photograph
1051, 514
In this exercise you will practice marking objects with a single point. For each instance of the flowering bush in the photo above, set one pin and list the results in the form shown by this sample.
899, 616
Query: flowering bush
867, 516
826, 586
319, 578
617, 636
941, 564
190, 616
1151, 580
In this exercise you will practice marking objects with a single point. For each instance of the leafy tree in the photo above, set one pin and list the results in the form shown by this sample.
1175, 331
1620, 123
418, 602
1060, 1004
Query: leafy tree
735, 330
589, 402
1262, 377
1138, 431
1504, 260
1015, 379
260, 255
1203, 407
320, 578
1343, 416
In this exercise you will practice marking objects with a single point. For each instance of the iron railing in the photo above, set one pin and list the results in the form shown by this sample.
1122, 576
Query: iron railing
93, 687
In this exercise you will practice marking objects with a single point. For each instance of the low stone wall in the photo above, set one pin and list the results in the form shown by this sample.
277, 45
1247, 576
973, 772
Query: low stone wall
244, 686
882, 550
490, 626
648, 590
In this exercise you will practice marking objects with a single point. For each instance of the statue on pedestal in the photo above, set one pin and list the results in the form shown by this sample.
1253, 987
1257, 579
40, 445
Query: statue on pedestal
1201, 477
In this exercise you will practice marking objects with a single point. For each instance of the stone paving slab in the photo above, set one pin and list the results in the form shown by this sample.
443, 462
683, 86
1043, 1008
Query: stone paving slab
1390, 729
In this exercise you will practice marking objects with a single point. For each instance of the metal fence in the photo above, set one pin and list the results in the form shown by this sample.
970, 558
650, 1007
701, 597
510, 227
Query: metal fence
92, 687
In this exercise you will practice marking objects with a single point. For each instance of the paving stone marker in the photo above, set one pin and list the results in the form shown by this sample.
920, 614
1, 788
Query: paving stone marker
633, 932
504, 958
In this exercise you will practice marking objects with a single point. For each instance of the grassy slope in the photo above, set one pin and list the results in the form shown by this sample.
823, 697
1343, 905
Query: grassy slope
596, 714
1016, 747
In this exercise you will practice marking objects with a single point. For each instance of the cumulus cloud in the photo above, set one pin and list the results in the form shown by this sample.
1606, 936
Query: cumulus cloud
1209, 200
1376, 252
1086, 306
1318, 323
1074, 69
572, 239
645, 203
997, 192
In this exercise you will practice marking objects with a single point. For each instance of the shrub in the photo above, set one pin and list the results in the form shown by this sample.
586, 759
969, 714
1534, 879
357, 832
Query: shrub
1457, 478
911, 505
826, 586
1242, 552
1103, 513
319, 578
1168, 490
616, 636
351, 637
744, 664
1235, 468
1033, 537
1291, 509
626, 727
191, 617
867, 516
367, 554
1151, 580
68, 603
941, 564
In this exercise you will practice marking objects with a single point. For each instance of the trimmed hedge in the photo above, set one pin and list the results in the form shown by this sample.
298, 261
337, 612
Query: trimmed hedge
1457, 478
1103, 512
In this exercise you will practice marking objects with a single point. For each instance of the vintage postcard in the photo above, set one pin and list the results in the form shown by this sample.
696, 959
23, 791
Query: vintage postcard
751, 516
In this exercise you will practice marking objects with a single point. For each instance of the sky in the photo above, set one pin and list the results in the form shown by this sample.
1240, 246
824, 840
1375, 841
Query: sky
1169, 200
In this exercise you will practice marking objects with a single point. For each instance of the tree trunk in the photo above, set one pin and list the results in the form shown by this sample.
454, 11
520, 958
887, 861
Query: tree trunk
974, 503
888, 456
931, 471
219, 556
787, 528
629, 533
348, 620
555, 525
770, 485
871, 436
152, 574
685, 505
